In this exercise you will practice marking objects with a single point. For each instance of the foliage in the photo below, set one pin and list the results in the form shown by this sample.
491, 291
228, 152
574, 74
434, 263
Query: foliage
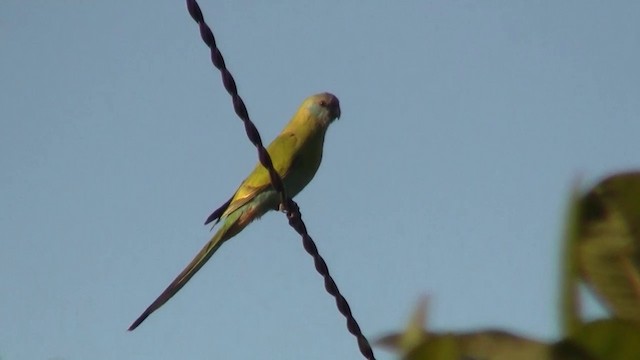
601, 250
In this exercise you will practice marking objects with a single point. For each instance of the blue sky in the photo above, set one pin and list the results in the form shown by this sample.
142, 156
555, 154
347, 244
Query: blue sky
464, 124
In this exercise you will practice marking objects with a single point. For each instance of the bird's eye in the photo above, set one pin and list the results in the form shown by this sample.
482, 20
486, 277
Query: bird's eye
323, 103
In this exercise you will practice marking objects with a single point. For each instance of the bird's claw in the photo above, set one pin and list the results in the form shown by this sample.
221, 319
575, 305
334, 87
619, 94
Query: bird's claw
282, 208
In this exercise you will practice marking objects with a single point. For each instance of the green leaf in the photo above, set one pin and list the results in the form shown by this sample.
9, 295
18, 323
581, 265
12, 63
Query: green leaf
417, 343
609, 339
609, 243
569, 295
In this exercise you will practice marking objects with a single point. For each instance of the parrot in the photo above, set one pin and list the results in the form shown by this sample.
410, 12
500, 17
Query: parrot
296, 154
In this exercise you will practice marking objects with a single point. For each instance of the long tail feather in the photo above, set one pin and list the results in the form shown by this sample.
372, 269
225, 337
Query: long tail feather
228, 230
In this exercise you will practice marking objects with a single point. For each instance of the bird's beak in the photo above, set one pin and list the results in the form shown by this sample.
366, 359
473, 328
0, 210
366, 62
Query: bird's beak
336, 110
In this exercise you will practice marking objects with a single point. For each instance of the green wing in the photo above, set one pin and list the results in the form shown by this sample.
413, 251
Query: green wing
283, 150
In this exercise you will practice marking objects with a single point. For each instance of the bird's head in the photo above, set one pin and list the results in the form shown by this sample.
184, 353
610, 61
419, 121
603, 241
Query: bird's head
324, 107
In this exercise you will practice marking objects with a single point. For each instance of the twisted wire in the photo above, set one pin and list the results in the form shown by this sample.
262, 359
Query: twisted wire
289, 206
238, 104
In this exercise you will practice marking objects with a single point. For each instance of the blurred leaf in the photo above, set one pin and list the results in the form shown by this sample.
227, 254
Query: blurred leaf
481, 345
417, 343
569, 280
413, 335
609, 339
497, 345
570, 350
609, 249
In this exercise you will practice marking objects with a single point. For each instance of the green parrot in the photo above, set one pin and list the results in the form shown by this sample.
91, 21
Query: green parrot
296, 155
